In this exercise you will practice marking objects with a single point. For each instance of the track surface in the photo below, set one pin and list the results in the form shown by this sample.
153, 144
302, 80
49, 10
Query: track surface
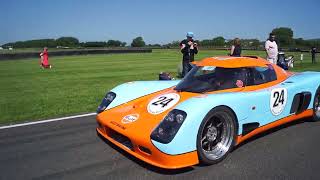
71, 149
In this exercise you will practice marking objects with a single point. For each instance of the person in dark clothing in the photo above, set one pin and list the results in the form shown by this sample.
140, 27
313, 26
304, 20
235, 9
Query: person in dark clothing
313, 54
236, 48
188, 48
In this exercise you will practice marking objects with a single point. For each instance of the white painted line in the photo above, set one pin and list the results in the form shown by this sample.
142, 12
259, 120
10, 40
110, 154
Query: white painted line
46, 121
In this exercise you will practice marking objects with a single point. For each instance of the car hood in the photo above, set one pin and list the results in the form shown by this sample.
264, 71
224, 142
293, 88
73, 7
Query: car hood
142, 115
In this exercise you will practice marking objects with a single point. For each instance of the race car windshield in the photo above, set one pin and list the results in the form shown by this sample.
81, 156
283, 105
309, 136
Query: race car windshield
210, 78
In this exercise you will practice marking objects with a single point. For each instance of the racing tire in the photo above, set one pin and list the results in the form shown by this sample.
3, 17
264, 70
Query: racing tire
217, 135
316, 105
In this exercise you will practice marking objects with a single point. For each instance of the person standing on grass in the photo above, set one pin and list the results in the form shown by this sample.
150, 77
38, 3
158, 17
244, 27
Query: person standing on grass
236, 48
44, 62
271, 49
313, 54
188, 48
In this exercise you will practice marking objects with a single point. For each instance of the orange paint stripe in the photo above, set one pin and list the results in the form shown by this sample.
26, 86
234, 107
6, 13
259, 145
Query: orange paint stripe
158, 158
282, 121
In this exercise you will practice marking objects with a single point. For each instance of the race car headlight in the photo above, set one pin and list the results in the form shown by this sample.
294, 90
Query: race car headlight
169, 126
110, 96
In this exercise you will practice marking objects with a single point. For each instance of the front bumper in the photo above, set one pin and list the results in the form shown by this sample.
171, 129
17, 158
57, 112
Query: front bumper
146, 151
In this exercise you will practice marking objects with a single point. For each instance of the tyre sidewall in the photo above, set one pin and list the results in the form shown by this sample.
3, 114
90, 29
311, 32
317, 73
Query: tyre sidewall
315, 118
202, 158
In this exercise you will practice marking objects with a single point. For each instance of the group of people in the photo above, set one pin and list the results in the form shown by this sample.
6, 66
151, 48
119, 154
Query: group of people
189, 48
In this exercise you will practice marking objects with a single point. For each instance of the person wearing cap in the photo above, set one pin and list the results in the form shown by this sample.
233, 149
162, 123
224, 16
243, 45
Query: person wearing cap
271, 49
188, 49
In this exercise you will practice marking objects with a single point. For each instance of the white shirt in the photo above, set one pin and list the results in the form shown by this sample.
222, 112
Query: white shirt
271, 48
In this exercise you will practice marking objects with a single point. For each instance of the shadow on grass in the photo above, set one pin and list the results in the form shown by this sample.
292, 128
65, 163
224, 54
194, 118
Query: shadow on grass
144, 164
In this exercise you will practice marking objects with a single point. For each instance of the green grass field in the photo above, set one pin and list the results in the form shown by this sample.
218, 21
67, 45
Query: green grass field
76, 84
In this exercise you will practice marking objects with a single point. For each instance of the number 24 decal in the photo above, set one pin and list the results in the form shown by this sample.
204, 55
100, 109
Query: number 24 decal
164, 101
279, 98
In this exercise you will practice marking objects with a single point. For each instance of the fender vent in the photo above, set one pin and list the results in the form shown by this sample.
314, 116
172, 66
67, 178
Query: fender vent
247, 128
300, 102
145, 150
120, 138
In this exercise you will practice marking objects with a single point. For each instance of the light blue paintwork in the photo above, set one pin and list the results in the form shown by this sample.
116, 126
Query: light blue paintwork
241, 103
132, 90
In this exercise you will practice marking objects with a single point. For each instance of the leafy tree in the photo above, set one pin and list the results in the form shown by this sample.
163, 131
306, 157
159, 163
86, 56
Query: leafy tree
154, 45
206, 42
250, 43
173, 44
94, 44
300, 42
314, 42
113, 43
67, 41
138, 42
255, 43
284, 36
123, 44
218, 41
33, 43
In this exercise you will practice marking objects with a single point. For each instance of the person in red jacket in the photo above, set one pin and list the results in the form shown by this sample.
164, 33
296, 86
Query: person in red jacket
44, 62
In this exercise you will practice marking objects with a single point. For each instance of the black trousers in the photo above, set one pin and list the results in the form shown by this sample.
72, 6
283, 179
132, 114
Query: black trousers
313, 58
186, 67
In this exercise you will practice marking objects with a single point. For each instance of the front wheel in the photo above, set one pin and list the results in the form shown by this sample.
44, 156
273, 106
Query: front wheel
316, 105
216, 135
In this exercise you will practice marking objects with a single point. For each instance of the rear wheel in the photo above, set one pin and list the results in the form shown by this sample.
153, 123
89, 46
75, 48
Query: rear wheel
316, 106
216, 135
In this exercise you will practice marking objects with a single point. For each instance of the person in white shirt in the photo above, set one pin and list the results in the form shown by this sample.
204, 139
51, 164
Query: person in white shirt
271, 49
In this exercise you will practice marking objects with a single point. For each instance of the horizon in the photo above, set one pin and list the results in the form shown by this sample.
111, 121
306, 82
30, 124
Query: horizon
157, 22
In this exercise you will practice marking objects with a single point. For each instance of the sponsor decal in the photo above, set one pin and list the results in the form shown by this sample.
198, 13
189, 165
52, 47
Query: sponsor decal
163, 103
130, 118
239, 83
278, 100
117, 124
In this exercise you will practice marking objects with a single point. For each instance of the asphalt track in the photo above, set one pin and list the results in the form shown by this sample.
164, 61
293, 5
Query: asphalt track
71, 149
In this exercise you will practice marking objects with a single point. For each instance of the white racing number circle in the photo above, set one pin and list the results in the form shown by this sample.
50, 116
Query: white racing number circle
278, 100
163, 103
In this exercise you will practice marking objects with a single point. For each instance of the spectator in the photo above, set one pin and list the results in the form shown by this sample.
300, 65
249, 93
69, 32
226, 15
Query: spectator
313, 54
44, 62
188, 49
236, 48
271, 49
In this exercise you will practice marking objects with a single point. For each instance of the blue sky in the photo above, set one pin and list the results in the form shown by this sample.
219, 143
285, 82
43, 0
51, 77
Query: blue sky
156, 21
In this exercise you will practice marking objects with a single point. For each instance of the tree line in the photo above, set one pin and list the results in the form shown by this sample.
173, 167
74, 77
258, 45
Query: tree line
284, 36
72, 42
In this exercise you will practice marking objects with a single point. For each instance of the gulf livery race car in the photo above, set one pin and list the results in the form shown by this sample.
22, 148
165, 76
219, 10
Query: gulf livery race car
220, 103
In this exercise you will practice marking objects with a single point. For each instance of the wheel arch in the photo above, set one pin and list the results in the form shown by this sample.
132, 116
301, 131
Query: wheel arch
231, 110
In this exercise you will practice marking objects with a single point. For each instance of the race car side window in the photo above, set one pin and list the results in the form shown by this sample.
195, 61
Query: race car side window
260, 75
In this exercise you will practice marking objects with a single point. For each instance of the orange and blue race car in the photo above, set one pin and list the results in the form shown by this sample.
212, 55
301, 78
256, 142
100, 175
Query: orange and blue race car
220, 103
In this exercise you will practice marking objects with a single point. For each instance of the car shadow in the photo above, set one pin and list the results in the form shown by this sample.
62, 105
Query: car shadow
191, 168
273, 130
144, 164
